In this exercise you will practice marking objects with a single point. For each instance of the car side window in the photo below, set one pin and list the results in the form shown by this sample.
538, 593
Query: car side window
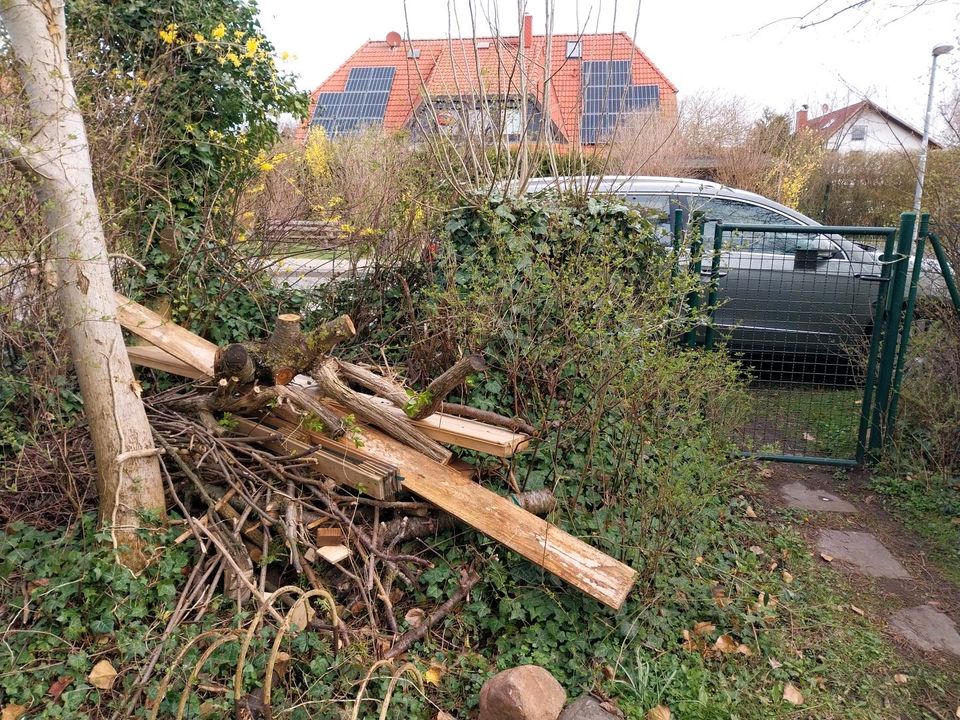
656, 209
738, 212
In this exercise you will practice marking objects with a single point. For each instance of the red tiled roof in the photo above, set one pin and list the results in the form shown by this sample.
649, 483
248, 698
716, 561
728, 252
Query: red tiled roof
466, 66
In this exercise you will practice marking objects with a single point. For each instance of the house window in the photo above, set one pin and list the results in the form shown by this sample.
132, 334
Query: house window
859, 132
574, 49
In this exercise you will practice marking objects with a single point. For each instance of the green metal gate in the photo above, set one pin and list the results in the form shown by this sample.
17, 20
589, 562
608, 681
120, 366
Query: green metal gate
820, 319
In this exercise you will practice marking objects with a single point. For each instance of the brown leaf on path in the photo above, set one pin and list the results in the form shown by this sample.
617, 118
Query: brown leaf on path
792, 695
774, 663
787, 577
756, 550
750, 512
660, 712
901, 679
809, 438
744, 650
827, 558
857, 610
414, 617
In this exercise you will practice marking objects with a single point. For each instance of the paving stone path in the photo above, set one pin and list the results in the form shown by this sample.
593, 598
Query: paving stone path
924, 626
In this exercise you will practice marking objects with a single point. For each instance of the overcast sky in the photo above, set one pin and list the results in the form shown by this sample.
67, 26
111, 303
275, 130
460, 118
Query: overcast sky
744, 48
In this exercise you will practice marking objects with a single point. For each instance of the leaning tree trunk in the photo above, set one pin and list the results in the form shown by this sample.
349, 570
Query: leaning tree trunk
57, 158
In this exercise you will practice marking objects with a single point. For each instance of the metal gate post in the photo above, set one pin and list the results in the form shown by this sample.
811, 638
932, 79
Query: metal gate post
945, 270
907, 322
879, 314
714, 284
894, 313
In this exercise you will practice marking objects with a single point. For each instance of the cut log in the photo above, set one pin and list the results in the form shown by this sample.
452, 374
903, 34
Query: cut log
597, 574
377, 384
488, 417
429, 401
366, 409
159, 359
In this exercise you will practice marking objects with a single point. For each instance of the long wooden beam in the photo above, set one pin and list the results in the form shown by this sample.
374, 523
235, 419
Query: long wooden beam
597, 574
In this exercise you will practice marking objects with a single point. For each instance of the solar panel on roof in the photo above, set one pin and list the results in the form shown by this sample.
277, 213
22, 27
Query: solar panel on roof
362, 102
607, 92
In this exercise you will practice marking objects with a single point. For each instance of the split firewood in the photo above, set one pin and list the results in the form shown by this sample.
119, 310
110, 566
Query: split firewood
331, 386
489, 417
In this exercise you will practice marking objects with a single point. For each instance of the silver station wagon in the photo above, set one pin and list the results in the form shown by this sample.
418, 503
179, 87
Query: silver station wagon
777, 291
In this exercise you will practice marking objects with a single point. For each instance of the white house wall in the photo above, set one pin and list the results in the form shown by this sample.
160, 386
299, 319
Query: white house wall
882, 135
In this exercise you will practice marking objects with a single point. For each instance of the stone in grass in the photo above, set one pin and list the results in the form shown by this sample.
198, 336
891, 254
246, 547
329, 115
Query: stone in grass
527, 692
589, 708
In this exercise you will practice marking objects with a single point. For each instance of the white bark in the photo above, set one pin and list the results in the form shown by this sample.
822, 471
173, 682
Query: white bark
58, 159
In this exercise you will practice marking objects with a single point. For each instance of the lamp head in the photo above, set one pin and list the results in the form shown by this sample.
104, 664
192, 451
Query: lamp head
942, 49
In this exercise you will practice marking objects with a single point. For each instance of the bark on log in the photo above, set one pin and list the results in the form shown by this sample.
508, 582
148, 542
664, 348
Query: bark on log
331, 386
445, 384
489, 417
376, 384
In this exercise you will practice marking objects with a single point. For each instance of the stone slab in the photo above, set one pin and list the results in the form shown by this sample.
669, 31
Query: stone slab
927, 628
863, 551
798, 495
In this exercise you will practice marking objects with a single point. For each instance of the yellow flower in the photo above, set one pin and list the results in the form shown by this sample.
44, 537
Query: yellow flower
189, 128
347, 228
266, 166
253, 45
234, 58
169, 35
219, 31
238, 35
284, 56
199, 37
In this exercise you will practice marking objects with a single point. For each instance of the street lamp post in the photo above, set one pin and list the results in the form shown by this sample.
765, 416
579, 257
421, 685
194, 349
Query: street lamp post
921, 170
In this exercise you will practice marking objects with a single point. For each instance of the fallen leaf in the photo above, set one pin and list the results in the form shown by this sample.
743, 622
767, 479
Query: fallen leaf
414, 617
300, 615
756, 550
809, 438
433, 675
828, 558
725, 644
900, 679
703, 628
787, 577
699, 560
660, 712
12, 712
282, 662
774, 565
792, 695
103, 675
749, 512
766, 473
857, 610
441, 715
744, 650
775, 664
59, 685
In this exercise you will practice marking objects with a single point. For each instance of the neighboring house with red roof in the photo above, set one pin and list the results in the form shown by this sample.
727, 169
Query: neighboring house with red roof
864, 127
477, 85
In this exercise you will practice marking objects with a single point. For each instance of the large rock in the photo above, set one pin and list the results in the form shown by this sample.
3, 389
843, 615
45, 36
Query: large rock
527, 692
589, 708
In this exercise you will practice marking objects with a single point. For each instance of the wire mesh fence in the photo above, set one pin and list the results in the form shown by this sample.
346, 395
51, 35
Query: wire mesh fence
803, 309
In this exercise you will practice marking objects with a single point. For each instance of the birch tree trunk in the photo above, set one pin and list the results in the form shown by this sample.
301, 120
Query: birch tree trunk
57, 158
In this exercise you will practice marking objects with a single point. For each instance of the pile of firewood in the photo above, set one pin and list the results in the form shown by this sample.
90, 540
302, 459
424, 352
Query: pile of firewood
294, 467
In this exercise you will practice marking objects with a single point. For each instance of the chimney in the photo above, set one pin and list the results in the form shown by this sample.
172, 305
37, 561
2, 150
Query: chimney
801, 123
527, 31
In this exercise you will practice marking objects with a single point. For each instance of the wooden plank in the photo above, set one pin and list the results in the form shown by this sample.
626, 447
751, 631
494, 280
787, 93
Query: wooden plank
159, 359
467, 433
340, 463
178, 341
586, 568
